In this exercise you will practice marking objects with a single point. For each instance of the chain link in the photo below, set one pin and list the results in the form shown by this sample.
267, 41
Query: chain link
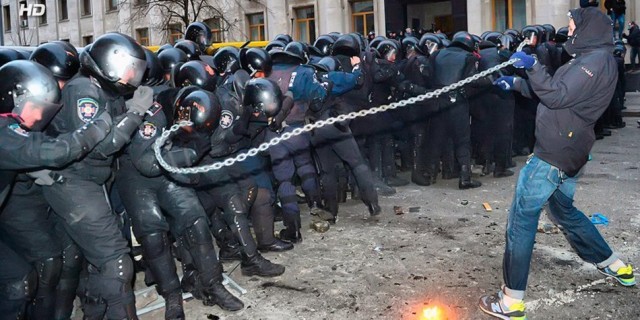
309, 127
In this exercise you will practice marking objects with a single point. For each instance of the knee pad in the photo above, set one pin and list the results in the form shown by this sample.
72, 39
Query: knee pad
252, 193
120, 269
49, 271
72, 260
20, 289
237, 205
198, 234
154, 245
264, 197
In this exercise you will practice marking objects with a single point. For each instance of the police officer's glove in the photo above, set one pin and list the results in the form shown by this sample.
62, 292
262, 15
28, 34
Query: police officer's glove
525, 61
141, 102
181, 157
505, 83
92, 133
42, 177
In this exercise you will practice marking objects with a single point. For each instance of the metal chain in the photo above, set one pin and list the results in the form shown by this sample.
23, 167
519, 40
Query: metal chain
309, 127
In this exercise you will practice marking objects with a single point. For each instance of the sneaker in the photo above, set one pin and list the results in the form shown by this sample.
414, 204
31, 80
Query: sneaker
492, 305
624, 275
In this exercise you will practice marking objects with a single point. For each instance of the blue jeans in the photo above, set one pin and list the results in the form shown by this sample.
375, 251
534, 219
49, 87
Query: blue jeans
540, 183
620, 20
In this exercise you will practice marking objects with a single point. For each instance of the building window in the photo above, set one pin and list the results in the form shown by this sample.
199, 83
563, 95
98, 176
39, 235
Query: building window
6, 13
140, 2
86, 7
216, 29
42, 20
112, 5
87, 40
306, 24
509, 14
65, 40
64, 11
175, 32
142, 35
362, 17
256, 27
24, 19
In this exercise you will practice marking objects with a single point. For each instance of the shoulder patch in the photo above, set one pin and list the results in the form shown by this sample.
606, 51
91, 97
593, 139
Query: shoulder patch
155, 108
87, 109
293, 79
148, 130
587, 71
17, 129
226, 119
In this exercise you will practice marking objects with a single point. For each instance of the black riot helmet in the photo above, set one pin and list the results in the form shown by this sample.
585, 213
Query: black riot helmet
464, 41
529, 31
195, 73
411, 43
202, 108
389, 49
7, 55
562, 35
117, 60
226, 60
285, 38
62, 63
263, 96
430, 43
29, 91
493, 36
190, 48
275, 45
508, 42
361, 40
255, 60
154, 74
24, 54
171, 57
446, 43
515, 33
200, 33
483, 44
442, 36
376, 41
324, 43
327, 64
346, 45
294, 52
163, 47
550, 32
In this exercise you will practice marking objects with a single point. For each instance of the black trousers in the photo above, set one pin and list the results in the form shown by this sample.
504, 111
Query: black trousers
492, 126
157, 204
451, 122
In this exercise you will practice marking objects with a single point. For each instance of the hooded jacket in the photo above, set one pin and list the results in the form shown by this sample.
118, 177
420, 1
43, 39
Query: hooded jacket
574, 98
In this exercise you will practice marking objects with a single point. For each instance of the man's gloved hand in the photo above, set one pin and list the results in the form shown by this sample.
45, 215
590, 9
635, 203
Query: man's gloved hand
505, 83
42, 177
524, 60
142, 100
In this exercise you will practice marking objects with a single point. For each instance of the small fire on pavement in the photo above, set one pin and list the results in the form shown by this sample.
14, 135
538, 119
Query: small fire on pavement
433, 313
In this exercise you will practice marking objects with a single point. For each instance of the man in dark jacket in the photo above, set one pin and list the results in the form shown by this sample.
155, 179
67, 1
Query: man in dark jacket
633, 39
570, 103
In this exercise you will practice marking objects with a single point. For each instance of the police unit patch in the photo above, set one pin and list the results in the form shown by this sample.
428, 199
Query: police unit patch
87, 109
17, 129
148, 130
226, 119
293, 79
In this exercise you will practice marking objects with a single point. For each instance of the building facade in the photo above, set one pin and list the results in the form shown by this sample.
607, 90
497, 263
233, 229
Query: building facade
81, 21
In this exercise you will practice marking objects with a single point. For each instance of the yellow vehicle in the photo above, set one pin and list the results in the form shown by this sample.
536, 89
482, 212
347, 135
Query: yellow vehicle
215, 46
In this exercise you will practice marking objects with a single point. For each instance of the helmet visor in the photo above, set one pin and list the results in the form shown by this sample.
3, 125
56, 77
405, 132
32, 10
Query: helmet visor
130, 70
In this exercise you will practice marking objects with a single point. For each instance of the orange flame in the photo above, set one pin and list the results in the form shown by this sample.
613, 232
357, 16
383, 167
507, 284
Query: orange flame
432, 313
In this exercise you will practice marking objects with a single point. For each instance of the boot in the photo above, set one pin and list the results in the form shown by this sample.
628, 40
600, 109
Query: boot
277, 246
488, 168
420, 179
290, 235
395, 181
220, 296
502, 172
382, 188
257, 265
374, 210
173, 308
465, 181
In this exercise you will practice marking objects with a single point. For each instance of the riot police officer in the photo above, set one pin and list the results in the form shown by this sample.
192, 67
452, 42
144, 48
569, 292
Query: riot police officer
293, 156
29, 100
111, 68
451, 65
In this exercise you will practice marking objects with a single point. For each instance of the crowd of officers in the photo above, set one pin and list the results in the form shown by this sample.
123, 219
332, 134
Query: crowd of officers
78, 128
